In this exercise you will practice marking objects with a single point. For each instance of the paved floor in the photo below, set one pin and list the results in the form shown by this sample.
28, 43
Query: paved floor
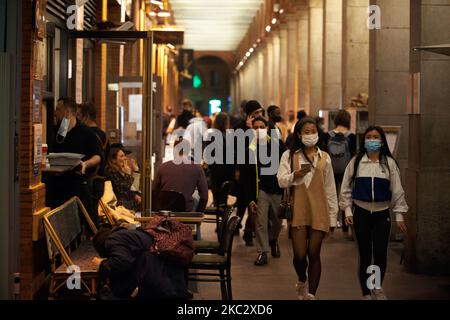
276, 281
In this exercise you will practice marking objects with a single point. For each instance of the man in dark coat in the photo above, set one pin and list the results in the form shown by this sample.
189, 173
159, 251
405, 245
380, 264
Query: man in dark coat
129, 264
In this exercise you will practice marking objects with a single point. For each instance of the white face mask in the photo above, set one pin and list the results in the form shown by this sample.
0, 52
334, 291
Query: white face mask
310, 140
64, 127
261, 134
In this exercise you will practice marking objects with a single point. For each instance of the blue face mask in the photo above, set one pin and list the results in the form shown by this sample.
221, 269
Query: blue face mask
373, 145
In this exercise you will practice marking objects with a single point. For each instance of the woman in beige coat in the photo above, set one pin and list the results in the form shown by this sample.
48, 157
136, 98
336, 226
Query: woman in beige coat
308, 172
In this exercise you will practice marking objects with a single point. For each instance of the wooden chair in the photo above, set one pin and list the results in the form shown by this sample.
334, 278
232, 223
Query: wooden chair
221, 263
67, 247
221, 204
207, 246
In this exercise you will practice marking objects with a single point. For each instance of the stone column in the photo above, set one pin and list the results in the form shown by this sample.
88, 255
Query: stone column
292, 62
303, 59
316, 28
355, 55
269, 78
276, 67
389, 71
333, 55
260, 79
428, 173
283, 67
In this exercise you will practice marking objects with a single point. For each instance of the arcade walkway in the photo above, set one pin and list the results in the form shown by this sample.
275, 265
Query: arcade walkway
276, 281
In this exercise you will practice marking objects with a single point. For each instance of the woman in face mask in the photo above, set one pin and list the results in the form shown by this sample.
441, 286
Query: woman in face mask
370, 189
308, 172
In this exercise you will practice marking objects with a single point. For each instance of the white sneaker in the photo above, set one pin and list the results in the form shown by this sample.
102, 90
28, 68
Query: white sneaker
302, 290
310, 296
378, 294
367, 297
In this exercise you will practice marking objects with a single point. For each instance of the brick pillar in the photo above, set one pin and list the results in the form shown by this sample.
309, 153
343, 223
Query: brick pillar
32, 191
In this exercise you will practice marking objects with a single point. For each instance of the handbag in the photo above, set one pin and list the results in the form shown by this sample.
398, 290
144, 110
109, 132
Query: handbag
286, 211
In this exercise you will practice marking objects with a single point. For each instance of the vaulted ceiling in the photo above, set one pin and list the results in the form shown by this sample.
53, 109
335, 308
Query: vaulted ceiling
214, 24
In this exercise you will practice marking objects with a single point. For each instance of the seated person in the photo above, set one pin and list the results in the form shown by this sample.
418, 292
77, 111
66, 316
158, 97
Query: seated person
128, 264
184, 176
118, 171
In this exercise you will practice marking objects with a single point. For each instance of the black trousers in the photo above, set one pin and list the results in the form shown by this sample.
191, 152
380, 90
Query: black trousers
372, 232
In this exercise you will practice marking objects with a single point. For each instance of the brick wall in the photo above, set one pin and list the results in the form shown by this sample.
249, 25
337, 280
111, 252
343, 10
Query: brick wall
32, 191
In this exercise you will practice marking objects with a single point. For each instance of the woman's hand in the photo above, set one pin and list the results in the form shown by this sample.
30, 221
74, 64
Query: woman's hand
349, 220
301, 173
253, 207
402, 226
137, 199
97, 261
249, 121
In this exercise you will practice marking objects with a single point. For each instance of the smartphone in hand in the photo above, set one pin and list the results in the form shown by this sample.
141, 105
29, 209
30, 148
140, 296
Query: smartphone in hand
306, 167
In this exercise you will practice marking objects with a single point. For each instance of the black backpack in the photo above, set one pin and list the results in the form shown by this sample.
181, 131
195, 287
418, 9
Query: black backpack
339, 151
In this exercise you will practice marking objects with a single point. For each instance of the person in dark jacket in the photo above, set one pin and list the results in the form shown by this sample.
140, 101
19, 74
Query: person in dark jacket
220, 171
130, 266
253, 109
264, 191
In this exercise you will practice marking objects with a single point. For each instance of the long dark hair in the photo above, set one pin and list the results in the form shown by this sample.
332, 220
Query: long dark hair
298, 143
384, 154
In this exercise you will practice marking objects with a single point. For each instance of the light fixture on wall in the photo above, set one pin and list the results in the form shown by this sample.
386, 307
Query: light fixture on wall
276, 7
158, 3
69, 69
163, 14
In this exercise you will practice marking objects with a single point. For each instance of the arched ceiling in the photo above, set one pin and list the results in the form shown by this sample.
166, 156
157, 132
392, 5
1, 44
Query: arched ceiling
214, 25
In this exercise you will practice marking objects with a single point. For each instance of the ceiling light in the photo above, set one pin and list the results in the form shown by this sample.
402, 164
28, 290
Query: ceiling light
274, 20
163, 14
268, 28
251, 50
152, 14
255, 45
241, 64
276, 7
259, 40
248, 54
281, 11
158, 3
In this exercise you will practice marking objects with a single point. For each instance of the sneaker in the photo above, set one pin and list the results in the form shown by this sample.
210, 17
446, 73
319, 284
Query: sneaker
302, 290
378, 294
367, 297
261, 260
310, 296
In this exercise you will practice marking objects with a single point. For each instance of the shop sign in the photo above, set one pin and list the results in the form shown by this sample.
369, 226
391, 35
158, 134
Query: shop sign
36, 101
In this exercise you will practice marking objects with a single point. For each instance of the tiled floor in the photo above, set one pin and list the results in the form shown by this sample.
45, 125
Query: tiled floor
276, 281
